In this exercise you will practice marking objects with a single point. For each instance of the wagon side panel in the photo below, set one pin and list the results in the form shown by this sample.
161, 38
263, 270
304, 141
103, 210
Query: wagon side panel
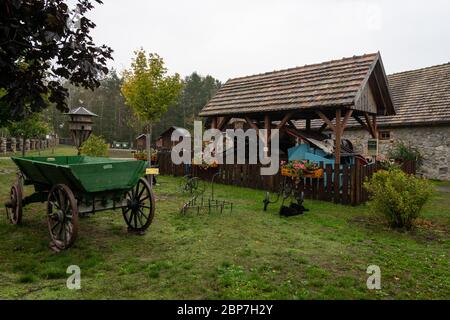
95, 177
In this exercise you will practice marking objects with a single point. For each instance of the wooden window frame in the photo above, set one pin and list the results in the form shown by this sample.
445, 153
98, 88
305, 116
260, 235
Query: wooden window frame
382, 137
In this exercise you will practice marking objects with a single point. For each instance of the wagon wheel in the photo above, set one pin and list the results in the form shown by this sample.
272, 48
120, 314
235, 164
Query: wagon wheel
140, 209
14, 205
62, 216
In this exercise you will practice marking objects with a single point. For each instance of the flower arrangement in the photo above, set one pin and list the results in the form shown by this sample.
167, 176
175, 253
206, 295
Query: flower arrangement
301, 169
208, 154
142, 155
205, 165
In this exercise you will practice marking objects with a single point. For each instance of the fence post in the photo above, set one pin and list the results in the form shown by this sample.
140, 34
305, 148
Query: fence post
357, 183
336, 182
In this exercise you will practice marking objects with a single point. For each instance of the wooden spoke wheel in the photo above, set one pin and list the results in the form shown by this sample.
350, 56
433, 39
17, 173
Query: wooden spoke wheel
140, 209
14, 205
62, 216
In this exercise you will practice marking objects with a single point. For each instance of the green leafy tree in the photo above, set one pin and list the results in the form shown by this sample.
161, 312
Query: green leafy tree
43, 44
148, 89
33, 126
94, 146
196, 93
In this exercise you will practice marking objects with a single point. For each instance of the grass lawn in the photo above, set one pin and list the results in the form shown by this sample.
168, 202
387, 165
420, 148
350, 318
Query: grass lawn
246, 254
61, 150
64, 150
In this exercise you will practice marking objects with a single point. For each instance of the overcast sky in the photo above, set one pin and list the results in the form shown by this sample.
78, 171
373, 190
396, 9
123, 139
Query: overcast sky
234, 38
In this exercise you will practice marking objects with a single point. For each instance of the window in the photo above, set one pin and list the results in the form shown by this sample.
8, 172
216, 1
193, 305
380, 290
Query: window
384, 135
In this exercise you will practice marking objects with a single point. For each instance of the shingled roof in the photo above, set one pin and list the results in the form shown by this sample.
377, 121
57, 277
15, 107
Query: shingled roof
337, 83
81, 111
420, 96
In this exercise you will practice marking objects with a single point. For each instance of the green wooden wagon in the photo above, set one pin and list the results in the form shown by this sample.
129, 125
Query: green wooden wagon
80, 185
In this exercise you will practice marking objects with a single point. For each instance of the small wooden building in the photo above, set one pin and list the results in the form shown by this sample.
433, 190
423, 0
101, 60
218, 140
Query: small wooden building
331, 92
141, 141
164, 142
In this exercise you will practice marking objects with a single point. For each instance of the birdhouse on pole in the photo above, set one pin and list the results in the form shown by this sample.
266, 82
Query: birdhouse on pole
80, 125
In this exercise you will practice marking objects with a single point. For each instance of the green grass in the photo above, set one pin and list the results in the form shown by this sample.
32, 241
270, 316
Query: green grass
64, 150
246, 254
61, 150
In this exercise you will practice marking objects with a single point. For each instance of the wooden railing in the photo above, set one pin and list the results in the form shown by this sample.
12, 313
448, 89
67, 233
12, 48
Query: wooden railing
340, 183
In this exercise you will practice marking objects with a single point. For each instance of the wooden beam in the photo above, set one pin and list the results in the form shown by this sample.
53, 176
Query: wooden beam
337, 142
374, 123
323, 127
268, 128
214, 123
251, 123
223, 122
348, 114
285, 119
369, 125
292, 123
380, 90
358, 119
327, 121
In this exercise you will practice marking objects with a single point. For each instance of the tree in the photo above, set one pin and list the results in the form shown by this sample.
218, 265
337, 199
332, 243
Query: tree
33, 126
197, 91
42, 44
95, 147
148, 90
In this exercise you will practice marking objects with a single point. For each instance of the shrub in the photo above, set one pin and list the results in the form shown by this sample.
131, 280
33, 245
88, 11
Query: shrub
398, 196
94, 146
402, 152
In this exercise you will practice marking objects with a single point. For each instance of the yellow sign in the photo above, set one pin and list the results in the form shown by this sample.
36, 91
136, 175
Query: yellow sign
152, 171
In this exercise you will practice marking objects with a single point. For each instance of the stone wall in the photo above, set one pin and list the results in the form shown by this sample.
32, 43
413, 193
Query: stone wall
432, 141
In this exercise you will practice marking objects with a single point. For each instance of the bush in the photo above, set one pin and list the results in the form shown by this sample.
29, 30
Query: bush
402, 152
94, 146
398, 196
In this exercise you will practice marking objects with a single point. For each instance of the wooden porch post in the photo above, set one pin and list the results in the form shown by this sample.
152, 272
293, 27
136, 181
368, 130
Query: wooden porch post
214, 123
374, 123
338, 134
267, 126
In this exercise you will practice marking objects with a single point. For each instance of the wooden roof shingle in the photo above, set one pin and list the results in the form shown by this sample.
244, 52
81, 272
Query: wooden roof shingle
420, 96
331, 84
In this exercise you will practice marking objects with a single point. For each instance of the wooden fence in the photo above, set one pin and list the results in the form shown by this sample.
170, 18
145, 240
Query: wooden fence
340, 184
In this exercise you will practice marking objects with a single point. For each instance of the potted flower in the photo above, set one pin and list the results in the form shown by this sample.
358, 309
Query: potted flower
301, 169
142, 155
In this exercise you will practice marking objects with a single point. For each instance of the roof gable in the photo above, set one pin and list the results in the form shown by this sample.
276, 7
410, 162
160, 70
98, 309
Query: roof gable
337, 83
420, 96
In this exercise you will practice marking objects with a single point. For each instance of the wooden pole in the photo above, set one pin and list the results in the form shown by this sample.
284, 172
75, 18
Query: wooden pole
214, 123
148, 142
338, 133
374, 124
268, 129
326, 120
